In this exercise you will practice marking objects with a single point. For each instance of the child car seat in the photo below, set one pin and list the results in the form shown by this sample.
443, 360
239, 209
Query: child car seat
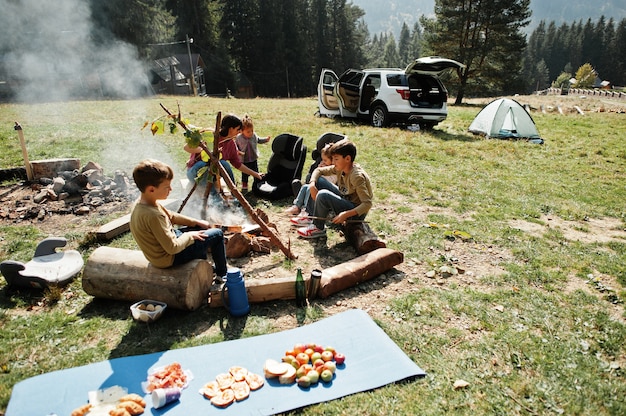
316, 154
285, 165
47, 268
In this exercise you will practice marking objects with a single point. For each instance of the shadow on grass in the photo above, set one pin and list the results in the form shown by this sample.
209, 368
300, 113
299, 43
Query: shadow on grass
439, 134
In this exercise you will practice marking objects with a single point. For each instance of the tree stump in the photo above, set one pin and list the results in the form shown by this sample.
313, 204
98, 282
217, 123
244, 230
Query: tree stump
362, 238
115, 273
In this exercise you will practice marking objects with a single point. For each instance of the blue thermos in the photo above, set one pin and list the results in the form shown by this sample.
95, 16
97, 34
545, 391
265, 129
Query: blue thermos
237, 303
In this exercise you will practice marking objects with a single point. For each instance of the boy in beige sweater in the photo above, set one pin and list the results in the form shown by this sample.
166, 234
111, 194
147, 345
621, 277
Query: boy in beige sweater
152, 225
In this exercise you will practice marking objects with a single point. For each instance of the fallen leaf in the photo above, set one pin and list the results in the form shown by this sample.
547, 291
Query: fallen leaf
460, 384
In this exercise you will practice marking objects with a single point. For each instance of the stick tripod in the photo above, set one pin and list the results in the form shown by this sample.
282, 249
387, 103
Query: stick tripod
219, 170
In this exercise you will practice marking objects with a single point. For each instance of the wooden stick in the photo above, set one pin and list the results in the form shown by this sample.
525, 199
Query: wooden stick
20, 134
330, 219
182, 205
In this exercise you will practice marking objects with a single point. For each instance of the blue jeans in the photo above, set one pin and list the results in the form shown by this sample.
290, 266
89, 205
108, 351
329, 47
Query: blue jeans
329, 198
192, 172
304, 200
198, 250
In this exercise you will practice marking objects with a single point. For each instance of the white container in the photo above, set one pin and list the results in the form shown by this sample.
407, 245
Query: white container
161, 397
147, 310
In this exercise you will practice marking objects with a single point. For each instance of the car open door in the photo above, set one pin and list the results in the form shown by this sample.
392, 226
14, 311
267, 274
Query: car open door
348, 92
326, 100
432, 65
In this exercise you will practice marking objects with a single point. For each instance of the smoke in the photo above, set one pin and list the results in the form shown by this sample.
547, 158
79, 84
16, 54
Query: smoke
48, 54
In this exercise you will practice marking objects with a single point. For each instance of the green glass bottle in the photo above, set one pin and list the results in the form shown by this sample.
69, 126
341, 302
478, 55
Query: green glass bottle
300, 290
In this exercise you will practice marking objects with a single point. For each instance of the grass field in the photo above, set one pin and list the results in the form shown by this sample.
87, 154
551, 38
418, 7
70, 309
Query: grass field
544, 335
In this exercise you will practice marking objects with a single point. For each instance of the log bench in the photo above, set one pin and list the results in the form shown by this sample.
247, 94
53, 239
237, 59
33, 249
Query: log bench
121, 274
334, 279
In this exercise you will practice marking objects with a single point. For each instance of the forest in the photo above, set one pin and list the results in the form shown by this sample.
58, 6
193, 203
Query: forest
278, 47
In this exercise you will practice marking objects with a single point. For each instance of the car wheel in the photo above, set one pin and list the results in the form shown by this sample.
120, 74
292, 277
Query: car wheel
380, 117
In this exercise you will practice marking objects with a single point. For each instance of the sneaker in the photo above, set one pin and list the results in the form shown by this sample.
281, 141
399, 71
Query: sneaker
311, 232
299, 221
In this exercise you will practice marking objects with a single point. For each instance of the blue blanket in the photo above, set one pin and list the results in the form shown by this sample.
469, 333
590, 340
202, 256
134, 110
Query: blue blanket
372, 360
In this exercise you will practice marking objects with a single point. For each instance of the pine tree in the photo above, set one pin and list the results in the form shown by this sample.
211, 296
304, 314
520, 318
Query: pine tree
485, 35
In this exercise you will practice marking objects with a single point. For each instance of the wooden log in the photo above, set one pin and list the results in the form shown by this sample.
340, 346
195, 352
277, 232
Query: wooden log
50, 167
260, 290
334, 279
358, 270
121, 225
362, 238
115, 273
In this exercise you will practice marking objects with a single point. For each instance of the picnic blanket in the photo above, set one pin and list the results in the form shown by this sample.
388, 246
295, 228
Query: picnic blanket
372, 360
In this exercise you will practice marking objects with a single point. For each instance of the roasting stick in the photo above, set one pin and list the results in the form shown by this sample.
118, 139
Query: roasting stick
311, 217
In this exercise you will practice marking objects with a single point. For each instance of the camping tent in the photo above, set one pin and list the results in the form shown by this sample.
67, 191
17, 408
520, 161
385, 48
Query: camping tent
505, 119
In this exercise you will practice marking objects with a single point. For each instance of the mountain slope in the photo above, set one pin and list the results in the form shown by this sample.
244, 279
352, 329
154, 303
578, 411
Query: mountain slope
388, 15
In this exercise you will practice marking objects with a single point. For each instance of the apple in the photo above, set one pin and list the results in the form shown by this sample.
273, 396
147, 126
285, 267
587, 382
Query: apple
319, 366
326, 376
339, 358
316, 356
304, 381
309, 351
313, 376
329, 348
327, 355
319, 348
299, 348
288, 359
330, 365
301, 371
311, 345
302, 358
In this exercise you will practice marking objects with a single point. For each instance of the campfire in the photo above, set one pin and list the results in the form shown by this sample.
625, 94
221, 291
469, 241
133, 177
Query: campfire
60, 186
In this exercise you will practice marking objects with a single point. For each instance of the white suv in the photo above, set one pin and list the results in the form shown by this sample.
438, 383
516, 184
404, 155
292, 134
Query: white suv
384, 96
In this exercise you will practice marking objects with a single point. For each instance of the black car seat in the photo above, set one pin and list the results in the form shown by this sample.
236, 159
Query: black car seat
316, 155
284, 166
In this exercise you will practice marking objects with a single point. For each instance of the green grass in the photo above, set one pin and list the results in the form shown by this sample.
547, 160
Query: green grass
525, 342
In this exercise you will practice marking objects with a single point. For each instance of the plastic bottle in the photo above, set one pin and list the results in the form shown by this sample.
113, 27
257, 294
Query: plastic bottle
300, 289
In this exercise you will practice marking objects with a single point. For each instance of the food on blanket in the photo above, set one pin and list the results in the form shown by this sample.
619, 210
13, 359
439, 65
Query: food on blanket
303, 358
314, 376
273, 369
326, 376
255, 381
225, 380
81, 411
339, 358
119, 412
330, 365
289, 377
312, 362
210, 389
241, 389
134, 397
131, 407
224, 398
239, 373
226, 388
304, 382
171, 375
316, 356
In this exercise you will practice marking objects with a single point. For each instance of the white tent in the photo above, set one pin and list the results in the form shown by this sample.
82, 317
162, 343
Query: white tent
505, 119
